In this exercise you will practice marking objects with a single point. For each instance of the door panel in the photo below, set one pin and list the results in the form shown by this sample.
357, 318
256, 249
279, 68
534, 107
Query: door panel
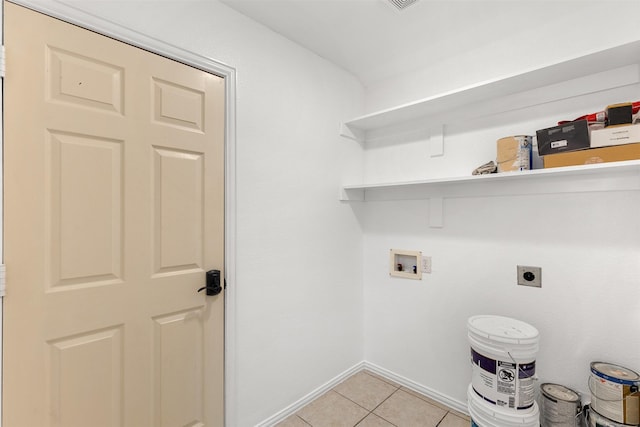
114, 210
85, 199
178, 106
85, 81
178, 210
179, 369
79, 393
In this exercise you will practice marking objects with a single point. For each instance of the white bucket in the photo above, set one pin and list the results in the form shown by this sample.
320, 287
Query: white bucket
484, 414
503, 360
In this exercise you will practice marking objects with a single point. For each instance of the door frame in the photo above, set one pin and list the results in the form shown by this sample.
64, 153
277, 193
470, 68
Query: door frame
132, 37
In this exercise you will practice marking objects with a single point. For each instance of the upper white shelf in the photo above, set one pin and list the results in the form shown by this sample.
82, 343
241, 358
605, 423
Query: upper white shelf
596, 177
446, 105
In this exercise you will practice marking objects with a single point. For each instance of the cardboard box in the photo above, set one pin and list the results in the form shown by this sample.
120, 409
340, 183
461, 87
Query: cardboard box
616, 153
615, 136
568, 137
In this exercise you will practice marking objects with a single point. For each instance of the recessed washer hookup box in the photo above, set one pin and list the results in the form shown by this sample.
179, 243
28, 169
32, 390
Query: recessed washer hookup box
567, 137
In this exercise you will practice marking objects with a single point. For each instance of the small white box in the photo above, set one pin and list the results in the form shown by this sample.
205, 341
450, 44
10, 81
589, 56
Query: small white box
617, 135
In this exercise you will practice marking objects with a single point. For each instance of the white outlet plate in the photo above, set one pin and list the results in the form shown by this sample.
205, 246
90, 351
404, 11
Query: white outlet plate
426, 264
530, 276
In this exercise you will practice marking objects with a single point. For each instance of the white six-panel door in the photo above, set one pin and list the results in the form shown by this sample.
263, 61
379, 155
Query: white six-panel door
114, 211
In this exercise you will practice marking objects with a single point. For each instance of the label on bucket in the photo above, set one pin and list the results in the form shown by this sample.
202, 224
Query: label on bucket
618, 402
503, 383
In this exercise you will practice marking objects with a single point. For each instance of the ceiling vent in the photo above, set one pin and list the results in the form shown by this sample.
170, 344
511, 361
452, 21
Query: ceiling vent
402, 4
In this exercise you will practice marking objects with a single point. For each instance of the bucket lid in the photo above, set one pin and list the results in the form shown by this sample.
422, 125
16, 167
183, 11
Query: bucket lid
615, 373
559, 392
502, 329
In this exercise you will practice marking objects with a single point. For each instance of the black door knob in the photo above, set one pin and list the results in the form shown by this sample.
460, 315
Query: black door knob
212, 284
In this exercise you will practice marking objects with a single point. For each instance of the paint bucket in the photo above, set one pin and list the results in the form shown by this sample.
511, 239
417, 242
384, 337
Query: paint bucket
503, 360
484, 414
615, 393
596, 420
559, 406
514, 153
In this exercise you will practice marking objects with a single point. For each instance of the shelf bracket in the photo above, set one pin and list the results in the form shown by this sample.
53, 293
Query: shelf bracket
436, 141
351, 195
436, 212
352, 133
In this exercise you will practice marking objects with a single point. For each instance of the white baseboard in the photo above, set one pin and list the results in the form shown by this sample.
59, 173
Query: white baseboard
422, 389
296, 406
412, 385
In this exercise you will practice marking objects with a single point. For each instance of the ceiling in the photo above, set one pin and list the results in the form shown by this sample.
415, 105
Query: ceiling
374, 40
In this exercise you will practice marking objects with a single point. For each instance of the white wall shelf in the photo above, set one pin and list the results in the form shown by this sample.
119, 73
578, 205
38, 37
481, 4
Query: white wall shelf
599, 71
614, 176
573, 77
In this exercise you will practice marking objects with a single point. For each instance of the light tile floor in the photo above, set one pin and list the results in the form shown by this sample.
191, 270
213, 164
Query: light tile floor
368, 400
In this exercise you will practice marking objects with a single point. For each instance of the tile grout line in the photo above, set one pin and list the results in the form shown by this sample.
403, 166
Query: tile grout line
397, 387
303, 420
388, 382
376, 415
408, 390
361, 419
442, 419
369, 412
357, 404
388, 397
435, 403
381, 378
342, 395
447, 412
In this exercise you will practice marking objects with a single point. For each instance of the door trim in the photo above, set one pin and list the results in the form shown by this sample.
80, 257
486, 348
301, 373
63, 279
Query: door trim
119, 32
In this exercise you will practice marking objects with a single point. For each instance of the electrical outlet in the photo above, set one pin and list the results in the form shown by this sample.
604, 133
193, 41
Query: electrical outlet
530, 276
426, 264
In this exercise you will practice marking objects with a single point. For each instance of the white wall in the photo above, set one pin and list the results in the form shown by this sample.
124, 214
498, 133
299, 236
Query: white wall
588, 308
298, 306
550, 31
588, 244
299, 292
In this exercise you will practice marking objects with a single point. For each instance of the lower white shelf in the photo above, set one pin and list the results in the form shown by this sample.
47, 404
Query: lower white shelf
614, 176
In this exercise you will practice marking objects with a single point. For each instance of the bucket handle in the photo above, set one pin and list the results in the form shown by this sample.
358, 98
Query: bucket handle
520, 369
603, 399
580, 413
